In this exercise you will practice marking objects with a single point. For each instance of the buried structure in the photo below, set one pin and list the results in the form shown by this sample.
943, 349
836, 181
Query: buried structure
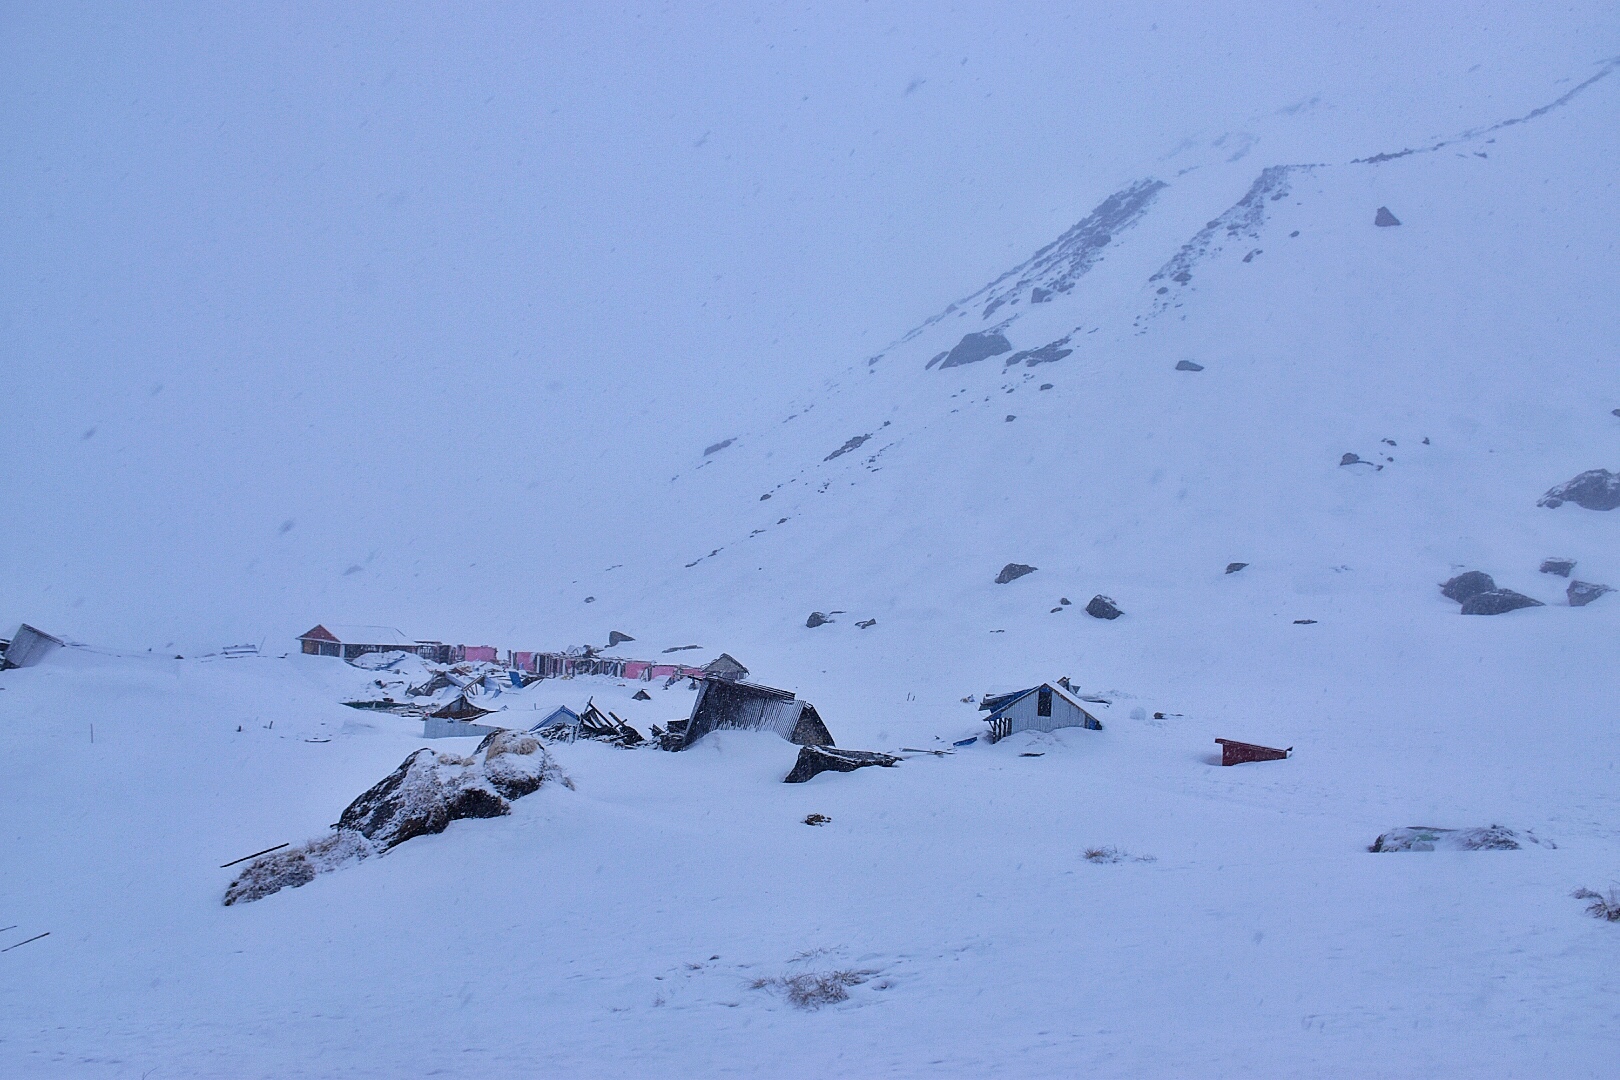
726, 705
1046, 707
27, 647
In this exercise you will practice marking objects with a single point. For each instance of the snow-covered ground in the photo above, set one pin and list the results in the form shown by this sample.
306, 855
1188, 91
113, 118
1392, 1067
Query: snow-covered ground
383, 370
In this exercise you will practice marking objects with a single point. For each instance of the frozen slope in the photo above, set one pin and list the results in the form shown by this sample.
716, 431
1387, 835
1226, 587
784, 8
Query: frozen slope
620, 928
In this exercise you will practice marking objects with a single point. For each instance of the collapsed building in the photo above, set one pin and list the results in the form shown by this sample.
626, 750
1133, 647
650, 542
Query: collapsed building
27, 647
724, 704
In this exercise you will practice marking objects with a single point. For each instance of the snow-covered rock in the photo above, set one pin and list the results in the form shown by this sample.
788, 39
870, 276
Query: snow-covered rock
1594, 489
1487, 838
1497, 602
428, 791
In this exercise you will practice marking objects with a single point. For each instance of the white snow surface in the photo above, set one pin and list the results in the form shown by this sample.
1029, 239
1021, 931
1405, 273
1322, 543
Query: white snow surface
387, 319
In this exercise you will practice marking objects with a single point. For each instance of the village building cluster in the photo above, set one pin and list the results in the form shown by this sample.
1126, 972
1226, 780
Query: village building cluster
466, 692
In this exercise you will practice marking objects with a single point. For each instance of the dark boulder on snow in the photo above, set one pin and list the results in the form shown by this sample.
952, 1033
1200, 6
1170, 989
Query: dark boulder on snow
817, 618
427, 792
819, 759
1561, 567
1234, 567
1497, 602
615, 637
1188, 365
1424, 838
981, 345
1581, 593
1461, 587
1351, 459
1012, 572
1103, 607
1595, 489
1384, 219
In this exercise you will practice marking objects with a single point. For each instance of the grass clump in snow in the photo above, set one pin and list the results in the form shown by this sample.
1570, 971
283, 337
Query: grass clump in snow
1104, 856
1602, 907
811, 990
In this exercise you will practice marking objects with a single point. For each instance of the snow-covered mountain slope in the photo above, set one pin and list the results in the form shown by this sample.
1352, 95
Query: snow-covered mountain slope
642, 922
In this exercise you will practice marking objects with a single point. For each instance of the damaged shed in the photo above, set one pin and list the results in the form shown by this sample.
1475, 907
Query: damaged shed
1040, 708
27, 647
723, 704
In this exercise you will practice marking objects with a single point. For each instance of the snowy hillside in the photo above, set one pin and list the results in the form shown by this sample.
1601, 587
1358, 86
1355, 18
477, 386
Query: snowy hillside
1298, 320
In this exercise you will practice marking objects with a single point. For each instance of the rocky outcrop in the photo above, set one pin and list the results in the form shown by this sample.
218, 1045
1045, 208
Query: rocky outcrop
427, 792
1012, 572
854, 442
981, 345
819, 759
1497, 602
1472, 583
1049, 353
1595, 489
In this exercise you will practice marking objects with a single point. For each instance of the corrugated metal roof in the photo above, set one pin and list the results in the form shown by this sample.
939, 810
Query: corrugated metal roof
370, 635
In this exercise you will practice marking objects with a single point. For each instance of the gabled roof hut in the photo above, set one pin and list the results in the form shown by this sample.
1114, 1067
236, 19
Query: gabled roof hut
1046, 707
